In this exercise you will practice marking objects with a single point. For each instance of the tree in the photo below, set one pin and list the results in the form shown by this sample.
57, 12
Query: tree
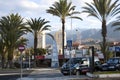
12, 28
37, 26
104, 11
62, 9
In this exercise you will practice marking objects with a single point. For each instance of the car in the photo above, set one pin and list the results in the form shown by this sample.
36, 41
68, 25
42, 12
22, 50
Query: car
112, 64
79, 65
97, 66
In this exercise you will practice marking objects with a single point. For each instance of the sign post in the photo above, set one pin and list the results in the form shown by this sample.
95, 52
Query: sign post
69, 45
21, 48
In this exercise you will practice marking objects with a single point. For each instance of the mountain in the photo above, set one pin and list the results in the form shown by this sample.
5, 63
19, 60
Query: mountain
111, 34
83, 34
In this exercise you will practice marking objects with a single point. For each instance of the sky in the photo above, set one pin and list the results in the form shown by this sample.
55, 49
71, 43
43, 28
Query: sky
37, 8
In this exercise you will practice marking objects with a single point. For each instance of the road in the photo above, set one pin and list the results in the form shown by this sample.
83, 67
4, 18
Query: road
39, 74
51, 74
13, 74
45, 72
11, 77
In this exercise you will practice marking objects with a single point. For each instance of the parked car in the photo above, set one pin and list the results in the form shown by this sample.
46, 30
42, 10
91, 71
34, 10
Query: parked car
77, 65
111, 64
97, 65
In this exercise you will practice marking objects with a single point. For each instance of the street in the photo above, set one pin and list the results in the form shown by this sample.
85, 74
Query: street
13, 74
49, 74
11, 77
36, 74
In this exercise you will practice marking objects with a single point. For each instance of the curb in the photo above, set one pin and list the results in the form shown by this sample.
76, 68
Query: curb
91, 75
102, 75
109, 75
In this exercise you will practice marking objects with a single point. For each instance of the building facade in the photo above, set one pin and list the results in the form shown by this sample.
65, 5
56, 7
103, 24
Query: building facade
58, 38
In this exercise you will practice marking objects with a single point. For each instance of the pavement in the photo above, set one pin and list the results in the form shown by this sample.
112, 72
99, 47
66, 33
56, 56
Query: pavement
54, 74
61, 77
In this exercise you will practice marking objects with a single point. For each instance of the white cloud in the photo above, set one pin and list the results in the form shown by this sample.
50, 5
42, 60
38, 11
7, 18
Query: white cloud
29, 4
37, 8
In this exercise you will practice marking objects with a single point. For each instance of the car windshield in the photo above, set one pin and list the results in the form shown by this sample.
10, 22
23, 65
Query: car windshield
112, 60
76, 60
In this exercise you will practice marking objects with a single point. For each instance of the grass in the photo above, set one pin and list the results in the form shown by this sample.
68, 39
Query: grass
107, 72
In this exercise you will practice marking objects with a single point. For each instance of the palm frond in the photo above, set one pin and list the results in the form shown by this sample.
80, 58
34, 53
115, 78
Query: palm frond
76, 17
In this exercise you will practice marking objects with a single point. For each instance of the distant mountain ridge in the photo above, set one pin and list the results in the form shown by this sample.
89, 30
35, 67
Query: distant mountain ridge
83, 34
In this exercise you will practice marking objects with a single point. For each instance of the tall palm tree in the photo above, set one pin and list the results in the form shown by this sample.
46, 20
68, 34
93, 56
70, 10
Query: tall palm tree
37, 26
12, 29
62, 9
104, 11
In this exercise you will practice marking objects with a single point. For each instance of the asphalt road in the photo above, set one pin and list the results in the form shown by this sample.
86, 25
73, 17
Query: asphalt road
38, 74
51, 74
13, 74
11, 77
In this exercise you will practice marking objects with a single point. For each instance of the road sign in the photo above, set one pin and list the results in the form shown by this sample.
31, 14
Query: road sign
117, 48
69, 43
21, 48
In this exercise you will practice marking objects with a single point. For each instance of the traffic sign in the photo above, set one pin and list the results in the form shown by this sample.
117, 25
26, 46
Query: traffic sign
117, 48
69, 43
21, 48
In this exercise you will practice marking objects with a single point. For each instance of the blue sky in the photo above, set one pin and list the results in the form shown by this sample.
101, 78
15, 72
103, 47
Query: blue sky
37, 8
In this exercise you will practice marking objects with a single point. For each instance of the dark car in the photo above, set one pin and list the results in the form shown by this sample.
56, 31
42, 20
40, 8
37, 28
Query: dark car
97, 65
76, 65
73, 66
111, 64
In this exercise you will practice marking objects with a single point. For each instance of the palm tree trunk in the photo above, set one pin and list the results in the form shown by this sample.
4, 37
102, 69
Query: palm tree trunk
35, 47
104, 33
3, 60
63, 30
10, 58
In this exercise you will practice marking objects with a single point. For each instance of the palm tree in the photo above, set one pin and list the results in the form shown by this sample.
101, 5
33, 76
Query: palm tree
62, 9
37, 26
12, 29
105, 11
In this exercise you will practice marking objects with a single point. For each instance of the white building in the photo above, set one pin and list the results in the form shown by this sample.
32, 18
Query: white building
41, 40
58, 38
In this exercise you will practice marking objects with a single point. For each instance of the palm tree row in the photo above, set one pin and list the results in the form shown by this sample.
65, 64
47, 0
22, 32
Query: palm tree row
103, 10
12, 29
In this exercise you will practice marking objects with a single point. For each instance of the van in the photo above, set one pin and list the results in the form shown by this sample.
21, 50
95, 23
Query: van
75, 65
